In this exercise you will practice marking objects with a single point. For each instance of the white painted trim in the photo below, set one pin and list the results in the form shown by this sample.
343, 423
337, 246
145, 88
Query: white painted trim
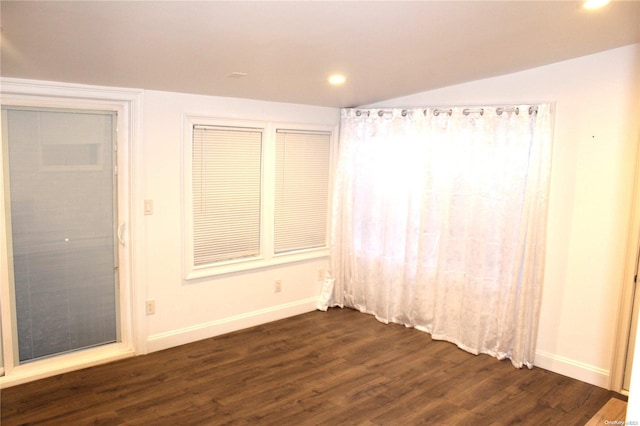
48, 89
194, 333
572, 368
65, 363
128, 103
625, 308
7, 317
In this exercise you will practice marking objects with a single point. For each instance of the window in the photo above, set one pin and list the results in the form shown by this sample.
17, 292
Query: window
302, 190
81, 150
256, 194
226, 178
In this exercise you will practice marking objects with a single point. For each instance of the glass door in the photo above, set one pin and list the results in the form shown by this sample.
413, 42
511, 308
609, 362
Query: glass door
62, 198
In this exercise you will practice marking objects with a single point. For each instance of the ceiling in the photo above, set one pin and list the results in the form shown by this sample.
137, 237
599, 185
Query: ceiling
287, 50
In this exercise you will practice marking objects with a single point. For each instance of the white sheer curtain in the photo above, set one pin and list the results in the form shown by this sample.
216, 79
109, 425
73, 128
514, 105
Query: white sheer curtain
439, 220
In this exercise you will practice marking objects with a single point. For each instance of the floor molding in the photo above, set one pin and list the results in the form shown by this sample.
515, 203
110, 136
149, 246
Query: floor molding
572, 368
185, 335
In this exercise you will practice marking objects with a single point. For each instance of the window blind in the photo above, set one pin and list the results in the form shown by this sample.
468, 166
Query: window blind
226, 188
301, 190
63, 209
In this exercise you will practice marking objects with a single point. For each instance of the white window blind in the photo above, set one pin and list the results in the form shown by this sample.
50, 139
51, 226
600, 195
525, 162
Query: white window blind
301, 190
226, 188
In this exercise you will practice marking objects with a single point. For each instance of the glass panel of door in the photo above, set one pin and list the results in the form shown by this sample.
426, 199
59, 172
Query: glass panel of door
62, 197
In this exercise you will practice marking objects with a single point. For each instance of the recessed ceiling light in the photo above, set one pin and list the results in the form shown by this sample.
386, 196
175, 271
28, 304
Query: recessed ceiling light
337, 79
595, 4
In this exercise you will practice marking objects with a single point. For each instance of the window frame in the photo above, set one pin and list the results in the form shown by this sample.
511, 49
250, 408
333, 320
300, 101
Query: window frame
267, 256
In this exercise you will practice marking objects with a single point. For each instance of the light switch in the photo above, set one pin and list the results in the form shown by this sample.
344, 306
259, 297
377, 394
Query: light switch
148, 207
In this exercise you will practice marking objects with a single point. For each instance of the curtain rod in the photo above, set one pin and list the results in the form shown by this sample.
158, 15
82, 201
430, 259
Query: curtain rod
449, 111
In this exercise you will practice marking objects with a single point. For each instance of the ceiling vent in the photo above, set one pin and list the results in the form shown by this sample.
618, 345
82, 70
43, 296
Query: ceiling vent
237, 75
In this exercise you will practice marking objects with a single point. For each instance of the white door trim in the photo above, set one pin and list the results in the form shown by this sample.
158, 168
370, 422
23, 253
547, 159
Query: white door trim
128, 105
625, 308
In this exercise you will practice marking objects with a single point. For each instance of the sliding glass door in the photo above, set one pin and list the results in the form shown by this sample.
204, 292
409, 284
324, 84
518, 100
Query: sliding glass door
62, 228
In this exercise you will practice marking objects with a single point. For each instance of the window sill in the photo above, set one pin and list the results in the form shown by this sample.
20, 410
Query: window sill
248, 265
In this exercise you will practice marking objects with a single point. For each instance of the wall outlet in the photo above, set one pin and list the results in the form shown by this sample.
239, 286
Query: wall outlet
277, 286
150, 307
321, 274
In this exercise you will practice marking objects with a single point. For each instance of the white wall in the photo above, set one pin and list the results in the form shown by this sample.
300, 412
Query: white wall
597, 127
187, 311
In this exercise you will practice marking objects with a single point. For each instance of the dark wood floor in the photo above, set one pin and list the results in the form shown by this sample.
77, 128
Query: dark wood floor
333, 368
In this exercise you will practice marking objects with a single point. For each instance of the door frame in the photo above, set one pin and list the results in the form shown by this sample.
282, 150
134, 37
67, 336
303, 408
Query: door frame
127, 103
625, 308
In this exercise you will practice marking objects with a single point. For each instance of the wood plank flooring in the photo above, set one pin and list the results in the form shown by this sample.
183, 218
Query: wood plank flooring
339, 367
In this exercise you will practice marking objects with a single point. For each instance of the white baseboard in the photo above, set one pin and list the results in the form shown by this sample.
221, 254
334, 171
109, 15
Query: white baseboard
572, 368
194, 333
